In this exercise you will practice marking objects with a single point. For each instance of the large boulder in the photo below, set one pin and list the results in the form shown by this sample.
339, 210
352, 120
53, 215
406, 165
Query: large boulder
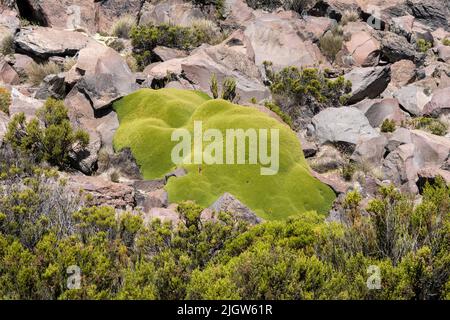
367, 82
370, 151
277, 38
106, 77
362, 47
439, 104
434, 13
444, 53
23, 103
53, 86
412, 98
346, 125
237, 12
46, 42
403, 72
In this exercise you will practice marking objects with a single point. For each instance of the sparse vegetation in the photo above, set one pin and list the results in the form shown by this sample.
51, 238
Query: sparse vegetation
7, 45
131, 62
446, 42
123, 26
36, 72
229, 89
347, 171
388, 125
331, 42
349, 16
276, 109
69, 62
214, 86
114, 176
435, 126
5, 100
117, 44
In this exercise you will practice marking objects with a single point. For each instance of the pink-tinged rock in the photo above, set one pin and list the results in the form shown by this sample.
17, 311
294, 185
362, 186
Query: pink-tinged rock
362, 47
4, 120
7, 74
444, 53
439, 104
399, 167
103, 192
385, 109
23, 103
333, 180
278, 40
431, 173
170, 11
430, 149
21, 63
403, 72
237, 12
155, 199
169, 214
370, 151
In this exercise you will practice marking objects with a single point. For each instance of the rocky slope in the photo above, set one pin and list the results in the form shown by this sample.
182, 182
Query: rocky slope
392, 129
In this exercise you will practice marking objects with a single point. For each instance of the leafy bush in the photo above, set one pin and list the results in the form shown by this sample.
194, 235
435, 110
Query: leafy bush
284, 116
308, 85
214, 86
388, 125
229, 89
7, 45
424, 45
5, 100
122, 27
446, 42
37, 72
331, 42
145, 38
53, 142
348, 171
432, 125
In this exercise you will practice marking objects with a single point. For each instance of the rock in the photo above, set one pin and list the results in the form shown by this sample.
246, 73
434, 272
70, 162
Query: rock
399, 167
444, 53
46, 42
367, 82
396, 48
342, 125
7, 74
434, 13
53, 86
171, 11
312, 28
277, 39
125, 163
399, 136
328, 158
103, 192
169, 214
178, 172
333, 180
21, 63
385, 109
430, 150
362, 47
22, 103
165, 53
439, 104
9, 22
309, 148
154, 199
237, 12
4, 120
107, 127
429, 174
228, 203
403, 72
148, 185
111, 80
412, 98
370, 151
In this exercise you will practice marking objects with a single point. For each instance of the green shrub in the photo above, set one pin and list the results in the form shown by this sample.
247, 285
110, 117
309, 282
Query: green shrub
446, 42
276, 109
145, 38
423, 45
308, 85
117, 44
348, 171
52, 141
7, 45
229, 89
122, 27
331, 42
388, 125
432, 125
37, 72
114, 176
5, 100
214, 86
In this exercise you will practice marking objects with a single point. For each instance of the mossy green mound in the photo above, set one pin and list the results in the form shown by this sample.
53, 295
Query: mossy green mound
147, 119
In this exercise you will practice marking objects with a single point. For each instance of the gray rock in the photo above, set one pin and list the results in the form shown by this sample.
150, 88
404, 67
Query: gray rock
434, 13
439, 104
412, 99
370, 151
228, 203
165, 53
367, 82
385, 109
53, 86
396, 48
342, 125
